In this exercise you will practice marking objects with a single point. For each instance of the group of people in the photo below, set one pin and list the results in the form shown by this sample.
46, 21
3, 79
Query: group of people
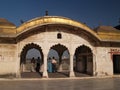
35, 65
52, 65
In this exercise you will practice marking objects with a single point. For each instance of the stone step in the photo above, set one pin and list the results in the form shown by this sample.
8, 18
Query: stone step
31, 75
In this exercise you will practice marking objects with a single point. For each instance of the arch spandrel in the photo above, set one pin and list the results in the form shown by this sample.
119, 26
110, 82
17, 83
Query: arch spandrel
46, 20
59, 47
85, 44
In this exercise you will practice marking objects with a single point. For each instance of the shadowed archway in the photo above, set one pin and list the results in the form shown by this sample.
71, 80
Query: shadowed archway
25, 65
62, 65
84, 60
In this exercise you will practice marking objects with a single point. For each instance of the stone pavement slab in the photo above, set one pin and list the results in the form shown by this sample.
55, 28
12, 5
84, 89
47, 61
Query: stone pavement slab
63, 84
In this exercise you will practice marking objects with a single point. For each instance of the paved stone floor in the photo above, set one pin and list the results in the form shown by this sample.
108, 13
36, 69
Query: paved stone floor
51, 75
66, 84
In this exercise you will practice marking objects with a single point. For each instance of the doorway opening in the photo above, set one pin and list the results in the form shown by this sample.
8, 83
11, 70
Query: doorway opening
83, 61
31, 61
61, 54
116, 64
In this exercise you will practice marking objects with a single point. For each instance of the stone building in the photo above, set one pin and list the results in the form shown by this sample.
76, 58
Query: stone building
96, 52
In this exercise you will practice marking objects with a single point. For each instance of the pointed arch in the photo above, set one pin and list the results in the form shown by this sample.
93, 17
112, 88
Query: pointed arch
59, 48
25, 65
62, 63
28, 47
84, 60
83, 49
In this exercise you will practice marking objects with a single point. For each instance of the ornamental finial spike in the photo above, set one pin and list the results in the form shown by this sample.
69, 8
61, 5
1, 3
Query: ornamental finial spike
46, 13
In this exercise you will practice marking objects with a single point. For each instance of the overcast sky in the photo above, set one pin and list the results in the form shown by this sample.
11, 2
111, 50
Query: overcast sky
91, 12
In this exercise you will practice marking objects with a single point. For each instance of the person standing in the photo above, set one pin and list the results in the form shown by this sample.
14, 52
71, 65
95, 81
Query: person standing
38, 64
54, 62
49, 65
33, 65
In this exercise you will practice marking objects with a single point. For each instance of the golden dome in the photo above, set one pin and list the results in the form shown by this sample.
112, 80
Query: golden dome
108, 33
6, 23
6, 27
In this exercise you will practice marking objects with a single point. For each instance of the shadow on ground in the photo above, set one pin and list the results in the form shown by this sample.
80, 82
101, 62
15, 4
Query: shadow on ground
51, 75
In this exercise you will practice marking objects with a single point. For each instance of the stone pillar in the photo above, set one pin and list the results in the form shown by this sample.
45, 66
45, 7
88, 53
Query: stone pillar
45, 73
18, 71
71, 66
60, 68
45, 53
60, 63
94, 65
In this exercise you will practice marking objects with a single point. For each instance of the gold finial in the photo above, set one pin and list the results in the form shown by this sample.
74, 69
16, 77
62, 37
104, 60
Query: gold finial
46, 13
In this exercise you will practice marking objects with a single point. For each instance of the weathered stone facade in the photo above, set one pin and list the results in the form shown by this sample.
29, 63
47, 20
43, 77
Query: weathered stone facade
42, 34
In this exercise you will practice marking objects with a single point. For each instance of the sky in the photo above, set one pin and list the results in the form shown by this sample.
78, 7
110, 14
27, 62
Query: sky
91, 12
52, 53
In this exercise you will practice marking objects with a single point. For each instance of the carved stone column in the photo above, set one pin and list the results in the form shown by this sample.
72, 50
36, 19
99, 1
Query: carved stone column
45, 52
94, 65
45, 73
60, 63
71, 66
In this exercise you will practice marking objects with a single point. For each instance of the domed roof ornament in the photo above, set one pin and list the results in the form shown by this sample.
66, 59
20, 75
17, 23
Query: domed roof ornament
46, 13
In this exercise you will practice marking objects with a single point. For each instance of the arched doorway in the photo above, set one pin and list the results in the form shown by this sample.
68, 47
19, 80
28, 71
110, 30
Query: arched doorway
61, 55
30, 52
84, 60
33, 54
